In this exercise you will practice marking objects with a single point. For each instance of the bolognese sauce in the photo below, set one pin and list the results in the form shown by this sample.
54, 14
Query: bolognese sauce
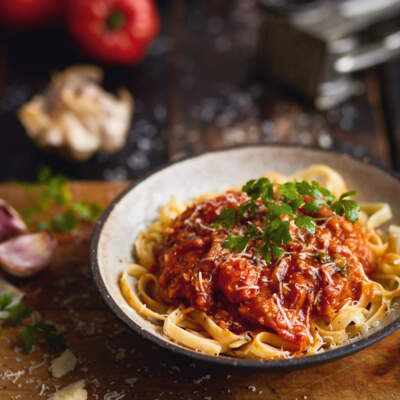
316, 274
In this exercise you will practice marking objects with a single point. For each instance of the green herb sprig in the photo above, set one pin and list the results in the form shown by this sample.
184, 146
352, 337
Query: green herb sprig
48, 331
54, 190
16, 316
285, 200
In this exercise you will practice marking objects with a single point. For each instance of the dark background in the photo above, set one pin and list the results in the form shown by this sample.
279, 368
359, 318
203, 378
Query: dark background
197, 89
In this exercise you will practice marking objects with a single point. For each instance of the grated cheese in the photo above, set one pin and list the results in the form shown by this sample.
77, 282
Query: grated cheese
12, 376
278, 303
114, 395
63, 364
74, 391
201, 282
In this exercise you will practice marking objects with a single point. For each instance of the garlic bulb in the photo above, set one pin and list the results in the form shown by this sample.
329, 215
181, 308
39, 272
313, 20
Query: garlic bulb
27, 254
76, 117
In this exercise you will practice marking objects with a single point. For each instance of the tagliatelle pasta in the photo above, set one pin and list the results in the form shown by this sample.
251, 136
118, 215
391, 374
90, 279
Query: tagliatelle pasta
288, 272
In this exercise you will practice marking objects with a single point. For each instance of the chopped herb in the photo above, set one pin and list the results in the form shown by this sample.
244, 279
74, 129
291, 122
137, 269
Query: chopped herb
306, 222
314, 206
27, 337
281, 207
54, 339
64, 222
259, 188
227, 217
276, 251
5, 300
18, 312
53, 189
47, 331
291, 195
236, 243
346, 207
87, 211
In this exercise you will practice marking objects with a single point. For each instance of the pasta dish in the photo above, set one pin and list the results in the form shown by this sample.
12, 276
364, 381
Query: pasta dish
282, 267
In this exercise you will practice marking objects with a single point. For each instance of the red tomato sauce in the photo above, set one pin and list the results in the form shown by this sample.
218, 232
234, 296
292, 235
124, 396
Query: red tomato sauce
314, 277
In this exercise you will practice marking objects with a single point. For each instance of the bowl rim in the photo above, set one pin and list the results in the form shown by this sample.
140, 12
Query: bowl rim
281, 364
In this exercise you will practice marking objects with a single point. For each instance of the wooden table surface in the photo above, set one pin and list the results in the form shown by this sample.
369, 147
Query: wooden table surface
115, 361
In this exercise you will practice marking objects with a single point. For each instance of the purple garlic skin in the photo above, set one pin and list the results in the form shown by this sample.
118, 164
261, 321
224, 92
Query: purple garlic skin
27, 254
11, 222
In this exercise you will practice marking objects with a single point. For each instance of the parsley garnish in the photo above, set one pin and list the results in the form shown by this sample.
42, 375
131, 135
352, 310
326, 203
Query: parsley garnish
48, 331
306, 222
349, 208
54, 190
16, 315
236, 243
285, 200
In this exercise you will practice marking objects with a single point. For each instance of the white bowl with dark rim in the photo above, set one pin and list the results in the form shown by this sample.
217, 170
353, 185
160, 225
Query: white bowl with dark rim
138, 205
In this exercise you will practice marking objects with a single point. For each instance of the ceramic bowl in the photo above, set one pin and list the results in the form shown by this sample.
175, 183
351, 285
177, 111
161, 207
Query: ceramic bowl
138, 205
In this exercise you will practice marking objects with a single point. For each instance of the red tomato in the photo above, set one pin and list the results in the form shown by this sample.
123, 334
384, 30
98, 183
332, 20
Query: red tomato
22, 14
114, 31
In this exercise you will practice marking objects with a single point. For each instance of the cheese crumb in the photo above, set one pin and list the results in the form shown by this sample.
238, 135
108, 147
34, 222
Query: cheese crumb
74, 391
63, 364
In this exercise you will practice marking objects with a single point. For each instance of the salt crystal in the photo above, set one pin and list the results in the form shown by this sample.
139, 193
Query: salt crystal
131, 381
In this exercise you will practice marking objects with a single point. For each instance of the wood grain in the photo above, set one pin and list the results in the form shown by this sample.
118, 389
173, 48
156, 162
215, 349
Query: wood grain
112, 358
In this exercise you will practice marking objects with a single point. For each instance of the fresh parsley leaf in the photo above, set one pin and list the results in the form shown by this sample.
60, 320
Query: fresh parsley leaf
87, 211
304, 188
49, 333
346, 207
54, 189
278, 232
249, 206
18, 312
227, 217
276, 251
44, 175
329, 197
236, 243
27, 337
64, 222
351, 209
259, 188
280, 209
282, 234
54, 339
307, 223
291, 195
314, 206
5, 300
266, 252
315, 190
252, 230
348, 194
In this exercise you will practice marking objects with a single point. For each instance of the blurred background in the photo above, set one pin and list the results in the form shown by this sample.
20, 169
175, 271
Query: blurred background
216, 73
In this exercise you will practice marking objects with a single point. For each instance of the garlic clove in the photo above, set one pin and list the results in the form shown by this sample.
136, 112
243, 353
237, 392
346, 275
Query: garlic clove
27, 254
11, 223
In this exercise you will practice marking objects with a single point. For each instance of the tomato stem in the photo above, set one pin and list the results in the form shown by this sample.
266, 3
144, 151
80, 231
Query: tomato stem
115, 20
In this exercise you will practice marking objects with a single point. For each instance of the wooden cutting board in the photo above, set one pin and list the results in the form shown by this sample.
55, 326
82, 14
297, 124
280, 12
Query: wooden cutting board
117, 364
